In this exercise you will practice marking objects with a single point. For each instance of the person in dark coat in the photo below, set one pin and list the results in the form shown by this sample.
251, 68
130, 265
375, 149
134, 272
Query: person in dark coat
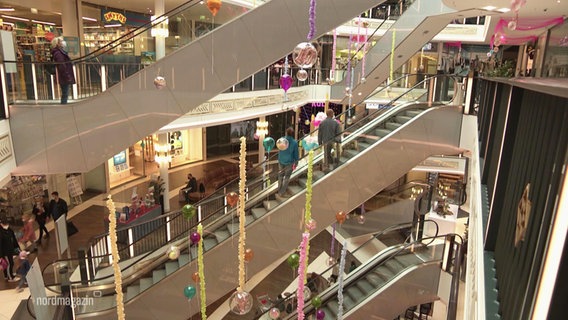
328, 135
190, 188
40, 212
57, 206
64, 67
8, 248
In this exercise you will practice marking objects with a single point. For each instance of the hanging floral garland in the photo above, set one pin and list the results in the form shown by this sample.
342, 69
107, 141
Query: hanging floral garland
340, 281
115, 258
302, 270
201, 270
312, 20
333, 57
391, 74
309, 223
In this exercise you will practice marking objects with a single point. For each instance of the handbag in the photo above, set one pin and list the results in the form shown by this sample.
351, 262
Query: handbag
71, 228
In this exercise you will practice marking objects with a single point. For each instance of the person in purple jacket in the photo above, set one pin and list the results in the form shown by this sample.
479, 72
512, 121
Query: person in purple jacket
64, 67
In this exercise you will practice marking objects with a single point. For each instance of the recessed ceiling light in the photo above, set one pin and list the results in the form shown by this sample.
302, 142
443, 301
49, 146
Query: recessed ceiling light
15, 18
89, 19
504, 10
7, 9
44, 22
489, 8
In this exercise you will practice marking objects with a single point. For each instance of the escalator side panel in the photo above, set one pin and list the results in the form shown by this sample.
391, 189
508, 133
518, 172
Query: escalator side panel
415, 287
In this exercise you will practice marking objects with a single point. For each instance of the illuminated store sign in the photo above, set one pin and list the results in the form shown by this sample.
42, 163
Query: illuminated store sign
115, 16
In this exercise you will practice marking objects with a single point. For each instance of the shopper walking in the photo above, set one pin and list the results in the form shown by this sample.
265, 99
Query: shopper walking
8, 248
57, 206
40, 212
287, 161
64, 67
328, 135
23, 270
28, 234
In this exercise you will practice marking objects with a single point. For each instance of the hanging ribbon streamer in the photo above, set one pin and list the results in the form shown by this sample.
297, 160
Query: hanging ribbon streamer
241, 210
302, 269
201, 270
312, 20
332, 250
333, 56
348, 79
364, 52
392, 55
340, 281
115, 258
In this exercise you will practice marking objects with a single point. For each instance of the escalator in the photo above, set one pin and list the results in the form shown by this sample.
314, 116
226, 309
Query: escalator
419, 23
155, 283
398, 277
80, 136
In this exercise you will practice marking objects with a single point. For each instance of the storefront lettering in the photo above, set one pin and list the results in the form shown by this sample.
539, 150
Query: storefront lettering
110, 16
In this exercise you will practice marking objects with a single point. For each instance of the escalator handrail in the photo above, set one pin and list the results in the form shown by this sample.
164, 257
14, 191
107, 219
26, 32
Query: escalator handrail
380, 118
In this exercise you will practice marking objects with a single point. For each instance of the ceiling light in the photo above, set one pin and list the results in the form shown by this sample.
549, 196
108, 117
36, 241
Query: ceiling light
504, 10
44, 22
33, 10
489, 8
113, 25
15, 18
89, 19
7, 9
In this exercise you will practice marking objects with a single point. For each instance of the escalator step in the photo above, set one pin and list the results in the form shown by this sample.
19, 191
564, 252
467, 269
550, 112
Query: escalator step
209, 243
171, 267
329, 313
332, 306
394, 266
366, 287
355, 293
392, 125
384, 272
349, 302
233, 228
221, 235
270, 204
403, 119
363, 145
258, 212
382, 132
158, 275
302, 182
408, 260
132, 291
350, 153
413, 113
295, 189
318, 174
375, 279
183, 259
145, 283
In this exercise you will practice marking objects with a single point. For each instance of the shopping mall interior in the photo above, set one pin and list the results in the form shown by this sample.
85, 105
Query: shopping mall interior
435, 191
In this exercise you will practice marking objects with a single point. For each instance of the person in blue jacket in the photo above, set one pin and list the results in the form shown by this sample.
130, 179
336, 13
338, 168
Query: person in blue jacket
287, 161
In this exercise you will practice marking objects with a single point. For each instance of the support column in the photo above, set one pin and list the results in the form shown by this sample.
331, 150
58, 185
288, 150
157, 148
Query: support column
72, 21
164, 164
261, 137
159, 9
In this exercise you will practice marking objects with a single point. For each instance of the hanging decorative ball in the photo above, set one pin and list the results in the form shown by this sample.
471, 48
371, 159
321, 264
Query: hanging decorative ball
347, 89
320, 314
214, 6
173, 252
495, 49
194, 237
189, 292
274, 313
361, 219
232, 198
302, 75
341, 216
268, 143
363, 80
293, 260
286, 82
489, 54
316, 302
249, 254
195, 277
240, 302
188, 211
160, 82
349, 121
330, 261
307, 122
311, 225
304, 55
497, 41
282, 143
512, 25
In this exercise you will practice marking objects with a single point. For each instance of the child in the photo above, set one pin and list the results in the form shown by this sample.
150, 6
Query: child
28, 232
25, 266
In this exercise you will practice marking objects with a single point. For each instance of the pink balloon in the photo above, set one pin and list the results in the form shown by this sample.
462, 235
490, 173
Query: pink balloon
286, 82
